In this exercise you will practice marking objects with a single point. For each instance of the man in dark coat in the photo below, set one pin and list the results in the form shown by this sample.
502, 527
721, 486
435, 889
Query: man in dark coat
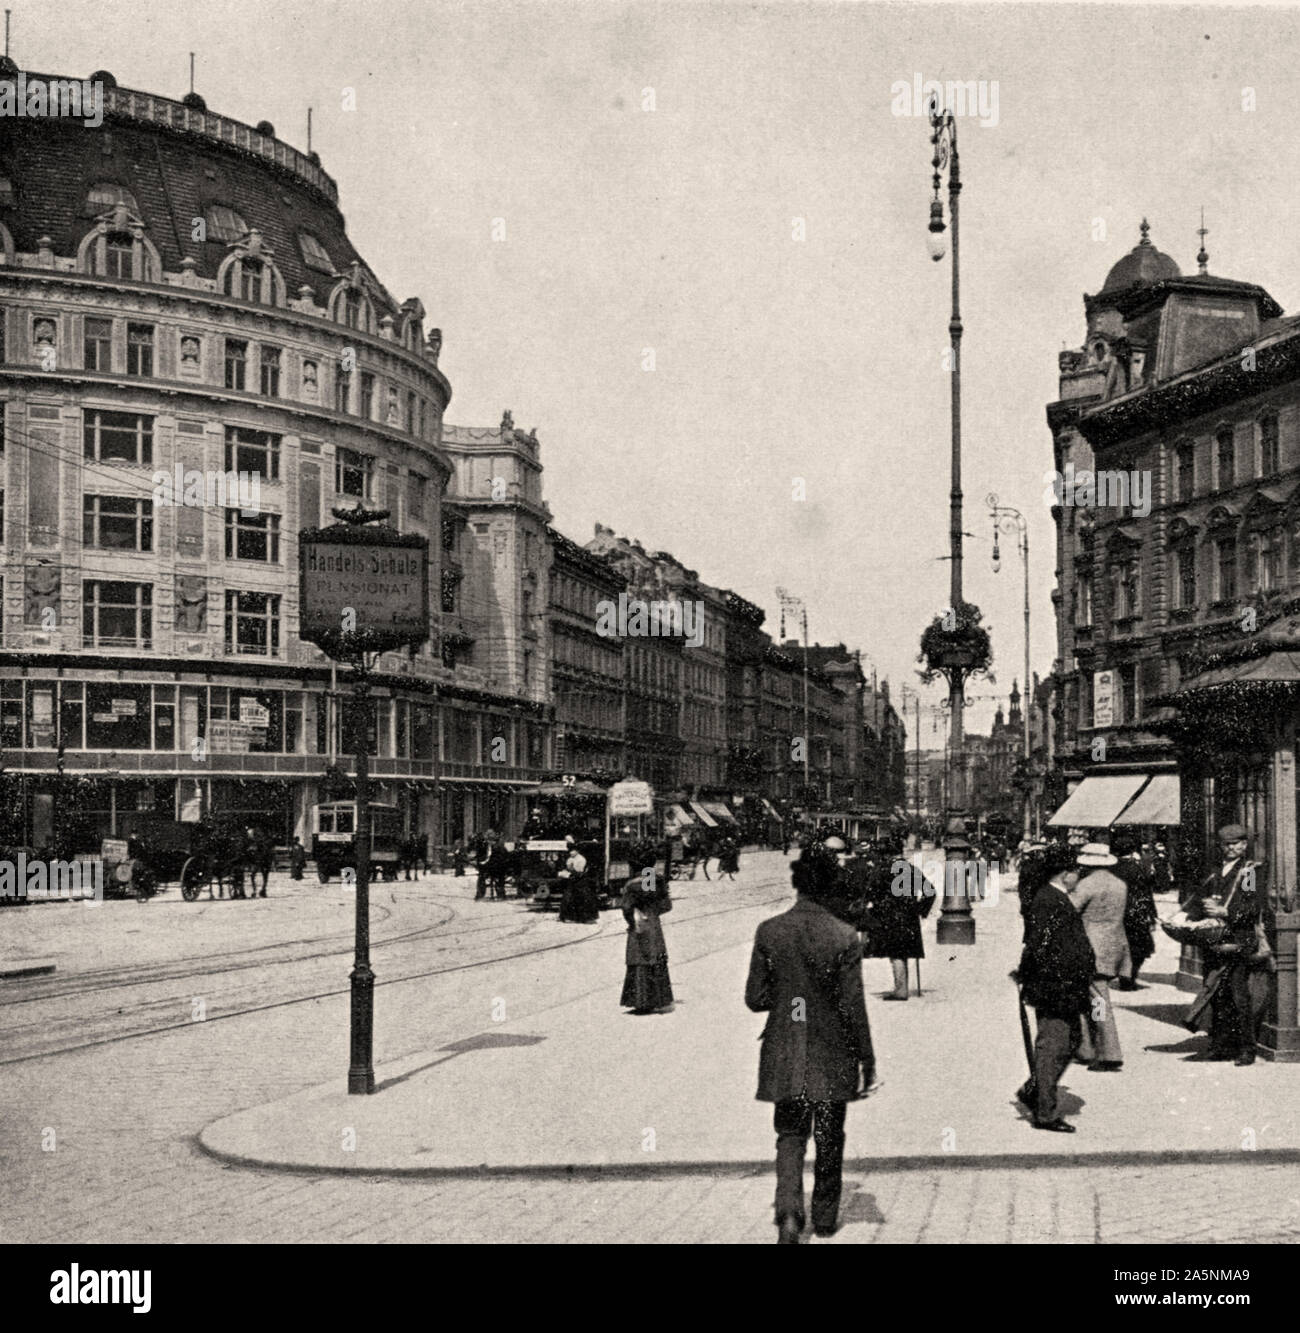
297, 859
1056, 971
806, 974
1140, 916
1236, 983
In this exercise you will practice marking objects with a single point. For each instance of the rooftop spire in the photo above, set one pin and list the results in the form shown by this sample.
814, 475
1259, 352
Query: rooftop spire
1202, 259
1145, 229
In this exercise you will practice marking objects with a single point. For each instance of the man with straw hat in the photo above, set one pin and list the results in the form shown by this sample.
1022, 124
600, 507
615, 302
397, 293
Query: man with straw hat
1100, 897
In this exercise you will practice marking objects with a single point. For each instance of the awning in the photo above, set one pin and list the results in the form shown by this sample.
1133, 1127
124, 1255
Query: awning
771, 809
719, 811
704, 816
1096, 801
678, 816
1158, 803
1275, 668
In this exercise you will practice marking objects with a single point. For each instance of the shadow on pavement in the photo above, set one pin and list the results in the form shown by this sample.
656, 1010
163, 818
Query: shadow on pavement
481, 1041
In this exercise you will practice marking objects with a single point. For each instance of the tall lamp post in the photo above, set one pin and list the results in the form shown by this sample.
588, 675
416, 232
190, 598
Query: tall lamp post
340, 612
954, 660
1008, 520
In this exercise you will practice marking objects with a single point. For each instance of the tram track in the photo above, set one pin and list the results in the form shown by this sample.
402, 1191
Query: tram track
774, 892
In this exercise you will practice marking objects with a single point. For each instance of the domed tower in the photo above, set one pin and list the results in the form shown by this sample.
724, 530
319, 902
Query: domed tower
197, 363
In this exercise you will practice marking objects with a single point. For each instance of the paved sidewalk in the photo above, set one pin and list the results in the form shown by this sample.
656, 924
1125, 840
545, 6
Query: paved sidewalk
585, 1086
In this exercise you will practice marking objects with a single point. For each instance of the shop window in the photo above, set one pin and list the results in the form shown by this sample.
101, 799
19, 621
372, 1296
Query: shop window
118, 717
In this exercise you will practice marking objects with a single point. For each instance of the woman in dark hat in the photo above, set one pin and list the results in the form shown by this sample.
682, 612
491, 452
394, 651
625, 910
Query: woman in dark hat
893, 919
647, 986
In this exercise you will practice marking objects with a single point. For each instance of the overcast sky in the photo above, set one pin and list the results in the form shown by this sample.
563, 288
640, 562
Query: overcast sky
673, 229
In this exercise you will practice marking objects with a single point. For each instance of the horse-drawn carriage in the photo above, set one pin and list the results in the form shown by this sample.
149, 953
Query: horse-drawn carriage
213, 852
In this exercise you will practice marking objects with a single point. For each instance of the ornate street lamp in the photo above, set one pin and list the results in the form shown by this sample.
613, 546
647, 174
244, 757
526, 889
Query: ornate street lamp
1008, 520
955, 645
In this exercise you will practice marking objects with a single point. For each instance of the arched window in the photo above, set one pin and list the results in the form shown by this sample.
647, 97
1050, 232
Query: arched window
223, 223
116, 247
104, 197
249, 272
351, 305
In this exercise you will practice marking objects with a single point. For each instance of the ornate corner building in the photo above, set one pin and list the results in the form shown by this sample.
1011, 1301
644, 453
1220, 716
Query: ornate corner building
195, 364
1177, 437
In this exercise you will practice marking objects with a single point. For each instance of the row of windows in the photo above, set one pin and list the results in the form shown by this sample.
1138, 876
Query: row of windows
127, 437
39, 714
1236, 566
1264, 459
118, 614
245, 368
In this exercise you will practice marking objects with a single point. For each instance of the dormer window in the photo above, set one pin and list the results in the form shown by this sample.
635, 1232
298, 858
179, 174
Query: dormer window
1099, 351
314, 254
104, 197
223, 224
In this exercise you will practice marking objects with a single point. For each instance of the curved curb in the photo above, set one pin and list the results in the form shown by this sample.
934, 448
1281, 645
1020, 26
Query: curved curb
740, 1169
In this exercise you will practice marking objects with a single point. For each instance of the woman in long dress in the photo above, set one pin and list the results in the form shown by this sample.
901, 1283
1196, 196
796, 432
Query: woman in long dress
578, 899
647, 986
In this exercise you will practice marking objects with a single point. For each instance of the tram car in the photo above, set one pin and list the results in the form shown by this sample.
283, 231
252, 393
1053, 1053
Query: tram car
578, 808
334, 839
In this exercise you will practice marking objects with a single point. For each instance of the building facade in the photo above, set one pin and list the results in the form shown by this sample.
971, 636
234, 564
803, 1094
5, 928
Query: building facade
1191, 385
197, 364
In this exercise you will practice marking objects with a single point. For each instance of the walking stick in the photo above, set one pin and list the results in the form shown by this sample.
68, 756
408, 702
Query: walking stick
1031, 1087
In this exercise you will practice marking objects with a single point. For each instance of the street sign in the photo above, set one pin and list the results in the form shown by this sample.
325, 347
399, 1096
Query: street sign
362, 589
1103, 699
631, 798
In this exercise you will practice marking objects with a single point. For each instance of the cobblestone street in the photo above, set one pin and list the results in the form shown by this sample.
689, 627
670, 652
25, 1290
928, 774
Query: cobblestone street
125, 1113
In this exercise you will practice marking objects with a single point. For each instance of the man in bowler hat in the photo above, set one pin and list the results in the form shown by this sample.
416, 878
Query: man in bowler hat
1056, 970
806, 975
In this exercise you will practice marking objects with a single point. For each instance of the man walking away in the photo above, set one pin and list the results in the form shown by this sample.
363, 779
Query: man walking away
297, 859
806, 975
1055, 973
1100, 898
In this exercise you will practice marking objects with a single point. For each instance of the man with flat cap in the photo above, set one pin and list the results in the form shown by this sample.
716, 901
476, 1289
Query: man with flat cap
1236, 970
